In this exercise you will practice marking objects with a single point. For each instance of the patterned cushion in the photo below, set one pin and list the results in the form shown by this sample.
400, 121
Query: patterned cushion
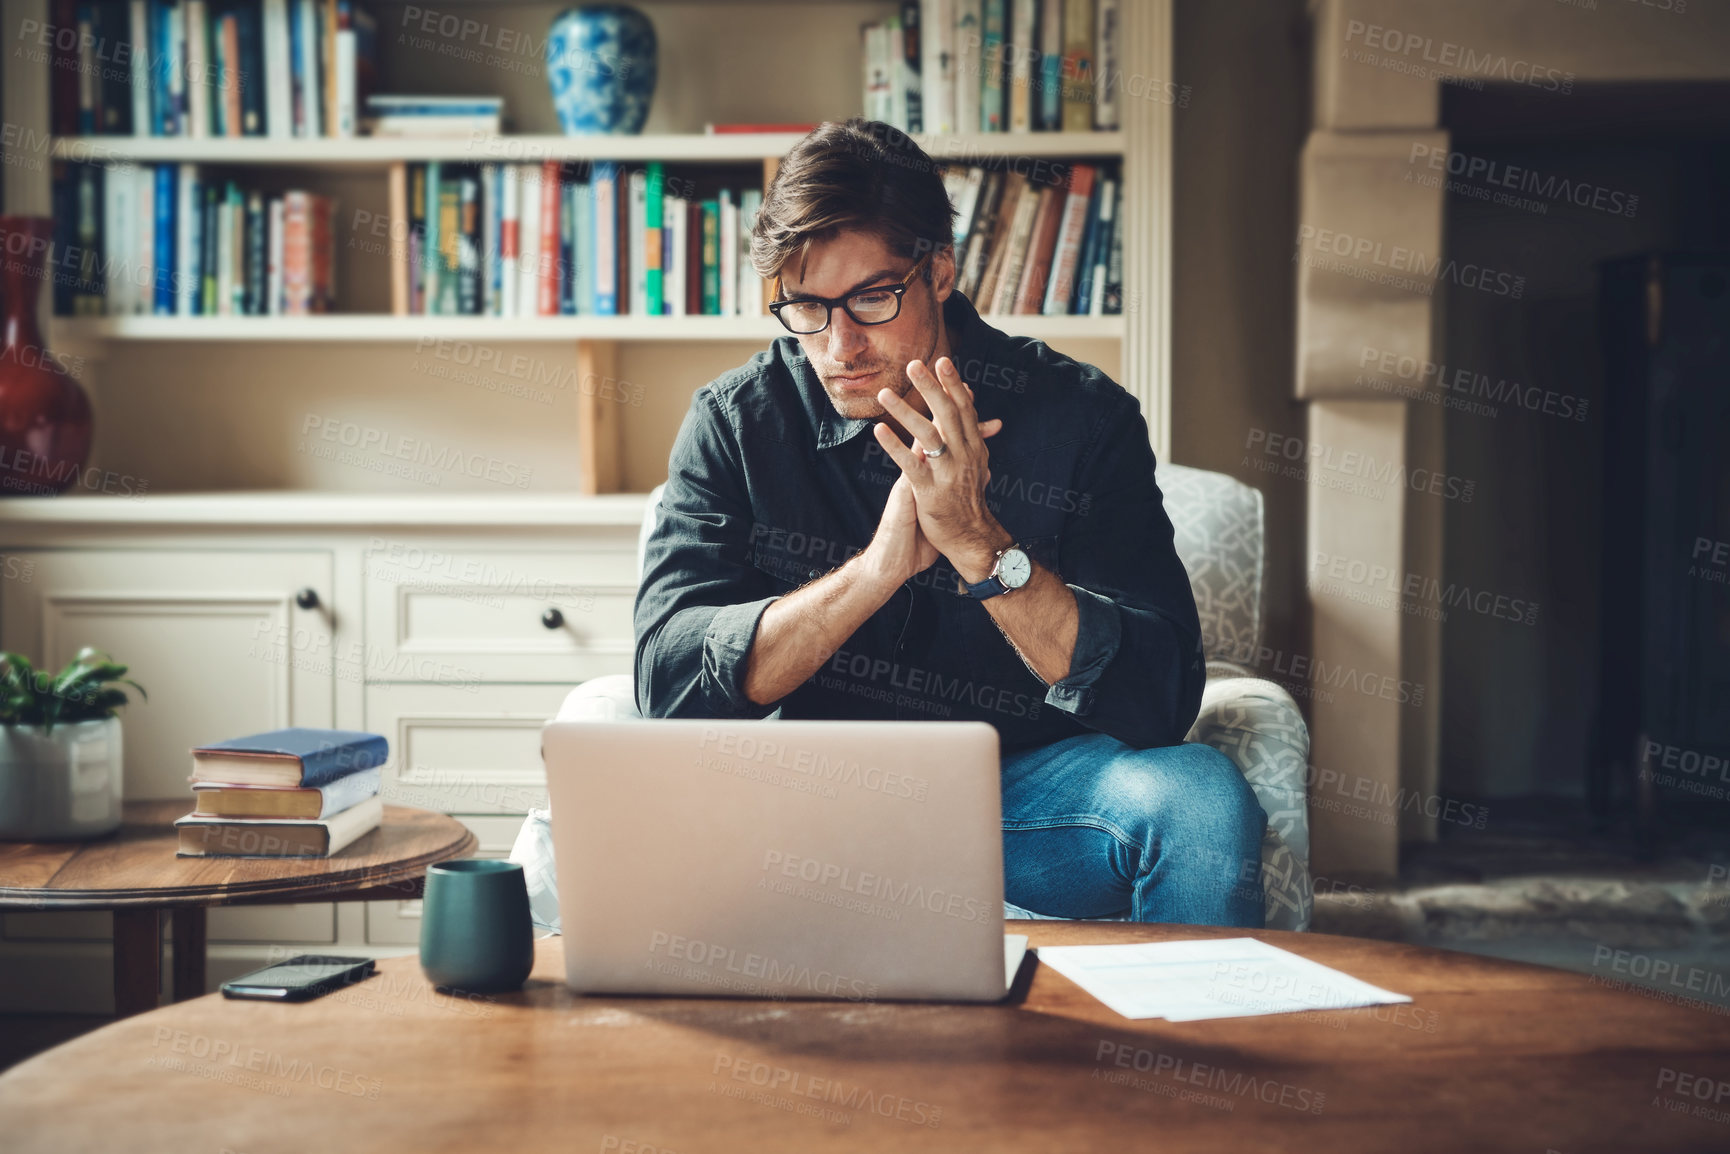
1218, 525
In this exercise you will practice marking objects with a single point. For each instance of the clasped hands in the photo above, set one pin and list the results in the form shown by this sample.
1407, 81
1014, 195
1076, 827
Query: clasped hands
937, 505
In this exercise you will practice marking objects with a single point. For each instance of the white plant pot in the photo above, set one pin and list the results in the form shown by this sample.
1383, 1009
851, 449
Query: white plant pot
62, 785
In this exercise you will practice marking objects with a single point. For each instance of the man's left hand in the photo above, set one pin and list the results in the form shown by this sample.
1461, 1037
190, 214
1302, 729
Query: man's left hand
949, 489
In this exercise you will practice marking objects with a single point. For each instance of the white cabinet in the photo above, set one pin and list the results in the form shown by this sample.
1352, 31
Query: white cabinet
422, 621
216, 639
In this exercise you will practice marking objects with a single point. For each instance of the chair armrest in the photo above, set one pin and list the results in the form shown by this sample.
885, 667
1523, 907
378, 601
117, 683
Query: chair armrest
1257, 724
609, 698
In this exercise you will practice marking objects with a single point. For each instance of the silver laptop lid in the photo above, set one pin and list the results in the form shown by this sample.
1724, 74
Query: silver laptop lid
820, 859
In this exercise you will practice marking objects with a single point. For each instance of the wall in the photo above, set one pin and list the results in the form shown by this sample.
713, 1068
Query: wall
1234, 210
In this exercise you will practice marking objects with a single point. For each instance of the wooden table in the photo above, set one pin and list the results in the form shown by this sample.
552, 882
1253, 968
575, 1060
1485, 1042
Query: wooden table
1490, 1056
135, 873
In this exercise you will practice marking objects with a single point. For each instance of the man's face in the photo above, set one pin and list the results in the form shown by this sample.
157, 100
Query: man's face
852, 360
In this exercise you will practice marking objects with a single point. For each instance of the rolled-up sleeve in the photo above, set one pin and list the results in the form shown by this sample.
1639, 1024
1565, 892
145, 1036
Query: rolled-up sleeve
700, 597
1137, 670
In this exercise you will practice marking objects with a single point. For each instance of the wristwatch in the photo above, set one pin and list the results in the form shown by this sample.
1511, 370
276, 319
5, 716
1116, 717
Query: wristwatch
1012, 570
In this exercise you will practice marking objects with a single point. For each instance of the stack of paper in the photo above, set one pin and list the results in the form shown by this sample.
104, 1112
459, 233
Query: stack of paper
1223, 978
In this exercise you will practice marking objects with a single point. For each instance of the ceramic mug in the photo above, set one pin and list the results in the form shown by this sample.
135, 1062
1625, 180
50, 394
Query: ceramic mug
475, 932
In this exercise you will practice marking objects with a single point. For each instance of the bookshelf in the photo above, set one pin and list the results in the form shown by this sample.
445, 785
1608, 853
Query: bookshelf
818, 45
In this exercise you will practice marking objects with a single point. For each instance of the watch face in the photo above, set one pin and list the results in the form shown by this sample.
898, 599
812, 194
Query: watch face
1014, 569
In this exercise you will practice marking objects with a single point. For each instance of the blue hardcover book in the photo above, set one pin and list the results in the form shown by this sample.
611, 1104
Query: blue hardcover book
297, 93
161, 113
1080, 291
606, 188
295, 757
585, 254
568, 270
166, 211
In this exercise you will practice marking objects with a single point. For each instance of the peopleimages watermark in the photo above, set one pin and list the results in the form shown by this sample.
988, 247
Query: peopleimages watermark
1348, 470
1229, 1086
727, 967
1689, 770
796, 1091
1466, 390
929, 690
1580, 193
311, 651
405, 563
1446, 61
1354, 579
730, 751
1696, 1095
219, 1059
1660, 978
1365, 258
382, 451
832, 879
1315, 678
470, 41
1710, 560
482, 366
1383, 801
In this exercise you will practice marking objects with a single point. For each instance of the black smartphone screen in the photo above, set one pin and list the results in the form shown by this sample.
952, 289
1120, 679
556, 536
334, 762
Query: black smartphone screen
299, 978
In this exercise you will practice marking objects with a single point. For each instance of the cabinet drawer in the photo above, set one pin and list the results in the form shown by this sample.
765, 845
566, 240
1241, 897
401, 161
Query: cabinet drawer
397, 923
470, 618
467, 750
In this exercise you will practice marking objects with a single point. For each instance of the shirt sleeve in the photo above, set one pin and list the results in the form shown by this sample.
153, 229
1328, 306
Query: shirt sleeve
700, 598
1137, 671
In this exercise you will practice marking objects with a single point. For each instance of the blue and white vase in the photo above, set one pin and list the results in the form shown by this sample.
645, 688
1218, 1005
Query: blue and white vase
601, 66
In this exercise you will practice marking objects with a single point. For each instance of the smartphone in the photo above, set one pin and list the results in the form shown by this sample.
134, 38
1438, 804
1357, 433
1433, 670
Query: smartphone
299, 979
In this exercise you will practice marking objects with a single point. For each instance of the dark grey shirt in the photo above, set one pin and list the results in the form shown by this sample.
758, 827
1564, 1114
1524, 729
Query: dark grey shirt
768, 487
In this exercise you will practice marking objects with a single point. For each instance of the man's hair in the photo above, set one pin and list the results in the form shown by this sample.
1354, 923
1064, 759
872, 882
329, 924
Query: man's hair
856, 174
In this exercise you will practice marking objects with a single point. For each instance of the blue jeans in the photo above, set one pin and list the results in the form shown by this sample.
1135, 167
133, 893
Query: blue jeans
1094, 828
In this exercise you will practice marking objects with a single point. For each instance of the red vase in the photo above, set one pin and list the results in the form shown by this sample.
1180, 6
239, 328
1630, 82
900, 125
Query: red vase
44, 413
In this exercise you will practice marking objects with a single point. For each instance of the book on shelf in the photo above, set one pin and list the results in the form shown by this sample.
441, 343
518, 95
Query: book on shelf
311, 803
209, 68
569, 239
433, 116
911, 105
270, 837
174, 240
300, 757
1047, 73
1026, 248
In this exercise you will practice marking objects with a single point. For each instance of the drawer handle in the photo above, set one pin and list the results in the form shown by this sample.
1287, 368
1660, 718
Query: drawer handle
307, 598
553, 619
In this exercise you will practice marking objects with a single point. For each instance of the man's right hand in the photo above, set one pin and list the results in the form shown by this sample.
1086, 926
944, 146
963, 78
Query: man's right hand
899, 548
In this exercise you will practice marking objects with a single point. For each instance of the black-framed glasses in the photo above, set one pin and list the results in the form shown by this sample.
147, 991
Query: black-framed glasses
870, 306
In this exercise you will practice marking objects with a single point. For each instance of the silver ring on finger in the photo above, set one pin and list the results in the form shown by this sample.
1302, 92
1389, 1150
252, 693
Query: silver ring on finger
933, 454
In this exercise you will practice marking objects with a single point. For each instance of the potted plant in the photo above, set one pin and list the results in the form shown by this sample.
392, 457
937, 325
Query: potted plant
60, 747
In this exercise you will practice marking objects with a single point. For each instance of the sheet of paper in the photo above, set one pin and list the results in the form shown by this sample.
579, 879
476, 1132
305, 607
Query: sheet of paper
1223, 978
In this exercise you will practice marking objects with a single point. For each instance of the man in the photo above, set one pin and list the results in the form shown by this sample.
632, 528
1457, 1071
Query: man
901, 513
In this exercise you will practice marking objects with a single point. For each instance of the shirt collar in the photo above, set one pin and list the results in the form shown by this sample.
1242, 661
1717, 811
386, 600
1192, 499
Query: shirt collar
965, 329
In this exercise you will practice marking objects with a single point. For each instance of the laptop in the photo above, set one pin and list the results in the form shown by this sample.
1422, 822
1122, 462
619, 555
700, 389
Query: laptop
781, 859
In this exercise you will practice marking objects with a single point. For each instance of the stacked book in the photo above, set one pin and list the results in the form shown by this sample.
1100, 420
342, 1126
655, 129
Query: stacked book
995, 66
286, 793
1046, 243
434, 116
164, 239
201, 68
569, 239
